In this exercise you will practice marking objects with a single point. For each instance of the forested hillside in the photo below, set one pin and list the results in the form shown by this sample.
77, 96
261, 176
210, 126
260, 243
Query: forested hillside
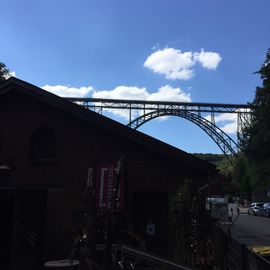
212, 158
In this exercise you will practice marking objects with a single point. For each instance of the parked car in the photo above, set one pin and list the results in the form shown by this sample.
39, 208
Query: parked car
266, 210
260, 212
255, 208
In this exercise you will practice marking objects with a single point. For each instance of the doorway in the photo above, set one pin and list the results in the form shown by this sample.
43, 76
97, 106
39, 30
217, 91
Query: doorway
150, 213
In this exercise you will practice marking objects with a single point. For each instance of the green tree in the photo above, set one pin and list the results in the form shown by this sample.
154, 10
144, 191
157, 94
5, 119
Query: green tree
256, 137
240, 175
224, 166
4, 72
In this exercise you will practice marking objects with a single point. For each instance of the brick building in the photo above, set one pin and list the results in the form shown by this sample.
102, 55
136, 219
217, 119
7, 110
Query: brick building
49, 142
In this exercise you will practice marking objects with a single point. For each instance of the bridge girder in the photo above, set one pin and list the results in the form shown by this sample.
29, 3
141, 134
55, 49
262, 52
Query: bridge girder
188, 110
227, 145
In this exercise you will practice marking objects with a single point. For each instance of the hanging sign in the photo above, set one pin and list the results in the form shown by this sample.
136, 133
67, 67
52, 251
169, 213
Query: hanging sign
107, 196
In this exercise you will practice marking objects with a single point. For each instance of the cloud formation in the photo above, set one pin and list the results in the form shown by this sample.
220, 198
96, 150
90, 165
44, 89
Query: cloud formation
122, 92
168, 93
164, 93
172, 63
67, 91
178, 65
227, 122
209, 60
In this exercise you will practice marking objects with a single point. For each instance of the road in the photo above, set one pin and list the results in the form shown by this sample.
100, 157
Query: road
252, 230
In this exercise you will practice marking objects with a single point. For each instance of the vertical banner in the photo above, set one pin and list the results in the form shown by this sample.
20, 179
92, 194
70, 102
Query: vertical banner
106, 181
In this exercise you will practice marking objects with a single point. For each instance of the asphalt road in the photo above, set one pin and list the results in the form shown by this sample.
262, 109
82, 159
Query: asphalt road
252, 230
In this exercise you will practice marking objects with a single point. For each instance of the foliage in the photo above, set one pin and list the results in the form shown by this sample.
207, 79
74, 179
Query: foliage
212, 158
224, 166
179, 206
191, 223
240, 175
256, 139
220, 160
4, 72
252, 169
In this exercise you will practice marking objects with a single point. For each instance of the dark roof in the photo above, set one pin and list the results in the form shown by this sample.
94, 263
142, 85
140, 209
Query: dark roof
104, 122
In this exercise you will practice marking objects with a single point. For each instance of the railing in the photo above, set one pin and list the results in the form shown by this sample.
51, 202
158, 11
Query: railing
152, 261
233, 255
254, 261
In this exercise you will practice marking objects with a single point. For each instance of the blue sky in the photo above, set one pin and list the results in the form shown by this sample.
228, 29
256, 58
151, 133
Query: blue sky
200, 51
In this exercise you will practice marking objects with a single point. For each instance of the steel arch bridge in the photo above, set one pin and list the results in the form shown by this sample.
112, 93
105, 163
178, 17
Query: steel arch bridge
141, 111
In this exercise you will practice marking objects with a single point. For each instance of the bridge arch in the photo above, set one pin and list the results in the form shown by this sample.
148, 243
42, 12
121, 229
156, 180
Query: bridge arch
226, 144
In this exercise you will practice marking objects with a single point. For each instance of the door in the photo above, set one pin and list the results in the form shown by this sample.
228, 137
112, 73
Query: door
151, 220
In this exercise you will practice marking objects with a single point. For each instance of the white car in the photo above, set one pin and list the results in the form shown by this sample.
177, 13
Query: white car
255, 208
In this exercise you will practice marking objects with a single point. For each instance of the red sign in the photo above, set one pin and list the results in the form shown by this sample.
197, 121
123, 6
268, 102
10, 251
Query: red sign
106, 187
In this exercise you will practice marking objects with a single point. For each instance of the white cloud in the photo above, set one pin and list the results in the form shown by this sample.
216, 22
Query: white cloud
164, 93
123, 92
67, 91
226, 122
178, 65
10, 74
172, 63
230, 128
209, 60
168, 93
226, 117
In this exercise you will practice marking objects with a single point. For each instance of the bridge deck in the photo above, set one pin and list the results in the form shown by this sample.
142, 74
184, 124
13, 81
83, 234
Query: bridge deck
95, 103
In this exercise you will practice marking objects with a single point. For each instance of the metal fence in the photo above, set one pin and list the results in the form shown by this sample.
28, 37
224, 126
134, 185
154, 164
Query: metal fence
233, 255
254, 261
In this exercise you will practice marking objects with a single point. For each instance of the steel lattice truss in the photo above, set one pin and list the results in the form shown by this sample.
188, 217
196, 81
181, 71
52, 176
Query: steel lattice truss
194, 112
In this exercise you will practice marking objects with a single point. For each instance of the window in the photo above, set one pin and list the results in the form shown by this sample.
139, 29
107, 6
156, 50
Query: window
43, 144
